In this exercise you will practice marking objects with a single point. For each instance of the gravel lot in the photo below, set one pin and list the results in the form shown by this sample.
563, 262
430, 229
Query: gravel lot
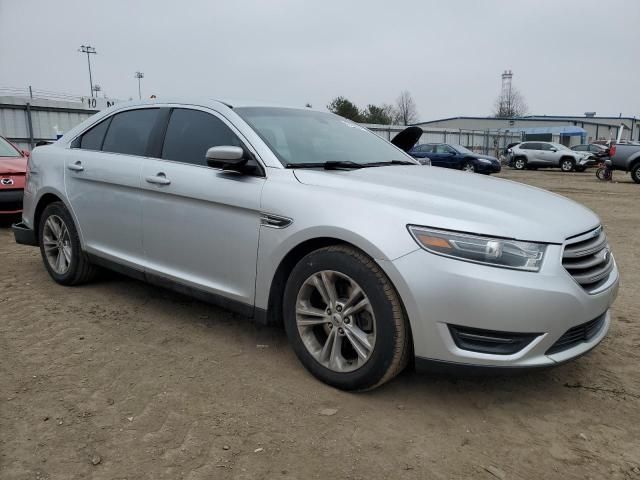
119, 379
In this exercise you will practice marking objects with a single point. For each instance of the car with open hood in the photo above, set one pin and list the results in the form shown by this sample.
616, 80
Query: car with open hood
295, 216
13, 168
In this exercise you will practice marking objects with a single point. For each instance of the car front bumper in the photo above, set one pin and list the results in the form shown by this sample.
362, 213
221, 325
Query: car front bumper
438, 292
11, 201
488, 167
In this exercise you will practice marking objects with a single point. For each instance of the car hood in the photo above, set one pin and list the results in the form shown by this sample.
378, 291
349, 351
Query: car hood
448, 199
407, 138
13, 164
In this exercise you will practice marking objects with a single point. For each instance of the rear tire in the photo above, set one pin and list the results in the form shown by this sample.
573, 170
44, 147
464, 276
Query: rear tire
60, 247
520, 163
603, 174
635, 173
357, 351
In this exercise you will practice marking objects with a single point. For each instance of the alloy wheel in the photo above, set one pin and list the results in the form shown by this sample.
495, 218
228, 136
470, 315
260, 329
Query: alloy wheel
335, 321
519, 163
567, 165
467, 167
57, 244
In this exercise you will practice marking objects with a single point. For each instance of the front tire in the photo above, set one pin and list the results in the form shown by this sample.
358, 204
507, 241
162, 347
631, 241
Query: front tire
635, 173
567, 165
60, 247
468, 167
344, 319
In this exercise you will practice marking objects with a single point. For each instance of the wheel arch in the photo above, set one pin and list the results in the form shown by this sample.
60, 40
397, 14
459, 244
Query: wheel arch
273, 313
47, 198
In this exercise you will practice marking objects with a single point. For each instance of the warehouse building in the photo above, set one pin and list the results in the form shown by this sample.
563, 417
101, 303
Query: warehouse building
568, 130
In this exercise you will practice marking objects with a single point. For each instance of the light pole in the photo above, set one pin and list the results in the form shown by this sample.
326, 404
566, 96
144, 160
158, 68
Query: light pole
139, 76
89, 50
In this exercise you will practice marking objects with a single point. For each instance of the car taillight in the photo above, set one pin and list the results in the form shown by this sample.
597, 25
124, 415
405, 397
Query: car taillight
612, 150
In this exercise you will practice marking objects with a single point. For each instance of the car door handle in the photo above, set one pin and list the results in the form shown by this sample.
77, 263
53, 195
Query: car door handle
159, 179
76, 167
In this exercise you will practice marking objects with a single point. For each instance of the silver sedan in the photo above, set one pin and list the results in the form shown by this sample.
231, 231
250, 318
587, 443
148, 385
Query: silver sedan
289, 215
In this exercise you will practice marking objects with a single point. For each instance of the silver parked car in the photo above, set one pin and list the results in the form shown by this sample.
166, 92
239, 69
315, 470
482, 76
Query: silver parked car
302, 217
548, 155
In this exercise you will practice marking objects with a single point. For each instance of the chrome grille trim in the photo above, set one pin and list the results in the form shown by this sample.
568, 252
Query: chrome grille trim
588, 259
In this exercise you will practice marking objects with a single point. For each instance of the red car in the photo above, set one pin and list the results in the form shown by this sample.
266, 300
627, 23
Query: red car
13, 169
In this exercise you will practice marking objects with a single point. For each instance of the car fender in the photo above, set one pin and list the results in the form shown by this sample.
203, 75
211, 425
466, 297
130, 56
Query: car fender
276, 244
50, 190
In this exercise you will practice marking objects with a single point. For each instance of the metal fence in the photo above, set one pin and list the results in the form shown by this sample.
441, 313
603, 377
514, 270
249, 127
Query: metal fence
28, 116
26, 121
487, 142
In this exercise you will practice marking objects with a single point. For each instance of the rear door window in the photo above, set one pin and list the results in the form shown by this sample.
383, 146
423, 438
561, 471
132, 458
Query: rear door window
129, 131
191, 133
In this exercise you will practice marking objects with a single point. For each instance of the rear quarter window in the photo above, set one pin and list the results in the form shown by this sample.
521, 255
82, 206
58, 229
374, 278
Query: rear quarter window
93, 138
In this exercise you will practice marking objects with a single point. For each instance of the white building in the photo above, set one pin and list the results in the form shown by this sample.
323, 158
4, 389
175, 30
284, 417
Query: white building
568, 130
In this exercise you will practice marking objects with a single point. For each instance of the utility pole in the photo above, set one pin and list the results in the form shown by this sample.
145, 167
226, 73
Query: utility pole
139, 76
89, 50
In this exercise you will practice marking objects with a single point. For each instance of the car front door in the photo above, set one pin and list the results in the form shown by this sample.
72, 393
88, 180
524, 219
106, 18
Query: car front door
102, 181
550, 155
445, 155
200, 224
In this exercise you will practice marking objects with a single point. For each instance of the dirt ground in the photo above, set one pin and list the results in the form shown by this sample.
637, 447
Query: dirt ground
121, 380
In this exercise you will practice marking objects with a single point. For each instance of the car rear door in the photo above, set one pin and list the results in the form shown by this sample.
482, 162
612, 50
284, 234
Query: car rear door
200, 224
102, 181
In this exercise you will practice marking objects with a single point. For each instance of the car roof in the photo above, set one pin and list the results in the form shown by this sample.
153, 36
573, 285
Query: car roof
208, 102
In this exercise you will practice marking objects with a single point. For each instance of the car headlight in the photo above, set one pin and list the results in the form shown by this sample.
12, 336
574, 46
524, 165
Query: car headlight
496, 252
483, 160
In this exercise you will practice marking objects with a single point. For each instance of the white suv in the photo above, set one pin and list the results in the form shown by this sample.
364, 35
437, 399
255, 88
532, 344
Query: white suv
547, 155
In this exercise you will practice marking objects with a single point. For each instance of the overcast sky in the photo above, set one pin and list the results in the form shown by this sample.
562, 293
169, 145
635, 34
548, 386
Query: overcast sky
567, 56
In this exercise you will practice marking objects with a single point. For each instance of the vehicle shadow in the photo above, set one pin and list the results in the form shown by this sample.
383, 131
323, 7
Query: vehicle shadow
7, 220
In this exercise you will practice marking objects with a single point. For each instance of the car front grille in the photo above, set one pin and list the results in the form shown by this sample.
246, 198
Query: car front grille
577, 335
588, 259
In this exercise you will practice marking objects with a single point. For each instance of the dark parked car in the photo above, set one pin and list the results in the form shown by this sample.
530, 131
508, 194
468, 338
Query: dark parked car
595, 149
456, 156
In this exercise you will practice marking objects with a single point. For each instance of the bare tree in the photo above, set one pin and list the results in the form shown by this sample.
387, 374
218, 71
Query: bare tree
510, 104
406, 110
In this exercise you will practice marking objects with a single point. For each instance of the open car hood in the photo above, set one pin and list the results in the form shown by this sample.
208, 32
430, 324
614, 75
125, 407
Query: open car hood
407, 138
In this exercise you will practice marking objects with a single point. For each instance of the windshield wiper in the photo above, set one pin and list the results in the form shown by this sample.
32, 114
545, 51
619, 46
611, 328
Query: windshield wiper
392, 162
332, 165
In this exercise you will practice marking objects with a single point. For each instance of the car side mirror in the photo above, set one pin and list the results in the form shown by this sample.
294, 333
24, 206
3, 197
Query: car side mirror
554, 149
25, 153
227, 157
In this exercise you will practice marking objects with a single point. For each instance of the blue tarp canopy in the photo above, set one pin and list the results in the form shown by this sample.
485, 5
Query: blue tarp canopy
565, 131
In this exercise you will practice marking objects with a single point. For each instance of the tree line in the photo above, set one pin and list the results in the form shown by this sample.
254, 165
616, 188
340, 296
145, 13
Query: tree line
403, 112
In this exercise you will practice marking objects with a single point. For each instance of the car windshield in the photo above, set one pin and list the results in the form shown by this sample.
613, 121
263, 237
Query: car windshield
461, 149
308, 137
7, 150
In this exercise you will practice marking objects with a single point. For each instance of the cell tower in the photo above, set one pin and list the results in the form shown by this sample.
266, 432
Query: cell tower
507, 78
